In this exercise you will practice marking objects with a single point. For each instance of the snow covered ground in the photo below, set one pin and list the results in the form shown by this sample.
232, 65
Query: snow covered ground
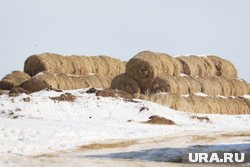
35, 125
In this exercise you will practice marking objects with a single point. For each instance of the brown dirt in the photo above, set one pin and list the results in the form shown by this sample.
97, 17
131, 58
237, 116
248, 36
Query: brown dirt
201, 118
64, 97
108, 145
160, 120
114, 93
26, 99
91, 90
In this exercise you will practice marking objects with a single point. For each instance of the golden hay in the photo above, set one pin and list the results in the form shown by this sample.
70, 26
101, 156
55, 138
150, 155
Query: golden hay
147, 65
14, 79
65, 82
179, 85
125, 83
79, 65
224, 67
201, 104
212, 86
239, 87
198, 66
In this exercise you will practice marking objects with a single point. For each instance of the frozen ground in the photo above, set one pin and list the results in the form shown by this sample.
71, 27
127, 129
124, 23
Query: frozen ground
38, 131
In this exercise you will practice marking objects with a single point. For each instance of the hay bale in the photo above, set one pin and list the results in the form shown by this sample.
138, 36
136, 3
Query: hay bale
209, 66
16, 78
125, 83
247, 101
78, 65
197, 66
147, 65
16, 91
65, 82
224, 67
239, 87
210, 86
201, 104
178, 85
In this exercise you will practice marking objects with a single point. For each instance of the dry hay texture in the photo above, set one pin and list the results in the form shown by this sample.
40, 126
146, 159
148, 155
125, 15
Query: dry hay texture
78, 65
197, 66
224, 67
200, 104
178, 85
125, 83
211, 86
16, 78
147, 65
65, 82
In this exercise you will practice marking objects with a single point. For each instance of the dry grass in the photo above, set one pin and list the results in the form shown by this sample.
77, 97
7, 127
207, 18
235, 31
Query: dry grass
224, 67
16, 78
200, 104
212, 86
65, 82
108, 145
78, 65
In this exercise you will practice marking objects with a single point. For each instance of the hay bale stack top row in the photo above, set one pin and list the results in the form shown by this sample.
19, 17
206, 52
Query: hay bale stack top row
77, 65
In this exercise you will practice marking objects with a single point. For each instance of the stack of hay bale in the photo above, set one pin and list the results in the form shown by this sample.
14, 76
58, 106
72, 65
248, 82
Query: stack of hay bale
177, 82
55, 71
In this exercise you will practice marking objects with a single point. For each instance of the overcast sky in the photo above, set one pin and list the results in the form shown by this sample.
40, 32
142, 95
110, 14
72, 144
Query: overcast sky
121, 28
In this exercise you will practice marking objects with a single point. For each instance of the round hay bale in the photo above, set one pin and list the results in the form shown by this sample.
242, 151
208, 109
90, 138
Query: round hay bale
164, 84
78, 65
210, 86
65, 82
224, 67
147, 65
209, 66
234, 106
183, 104
178, 85
226, 86
194, 66
247, 101
200, 104
166, 99
239, 87
125, 83
35, 85
14, 79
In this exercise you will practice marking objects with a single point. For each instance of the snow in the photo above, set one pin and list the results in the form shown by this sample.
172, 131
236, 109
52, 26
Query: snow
44, 126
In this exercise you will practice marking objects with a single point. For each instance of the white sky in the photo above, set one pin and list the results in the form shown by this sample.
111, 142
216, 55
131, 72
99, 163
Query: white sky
121, 28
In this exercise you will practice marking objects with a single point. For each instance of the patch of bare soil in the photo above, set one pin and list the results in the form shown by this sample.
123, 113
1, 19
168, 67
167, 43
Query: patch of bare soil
64, 97
114, 93
91, 90
108, 145
159, 120
26, 99
202, 119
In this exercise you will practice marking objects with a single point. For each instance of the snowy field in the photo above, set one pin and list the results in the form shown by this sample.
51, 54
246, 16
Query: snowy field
39, 131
